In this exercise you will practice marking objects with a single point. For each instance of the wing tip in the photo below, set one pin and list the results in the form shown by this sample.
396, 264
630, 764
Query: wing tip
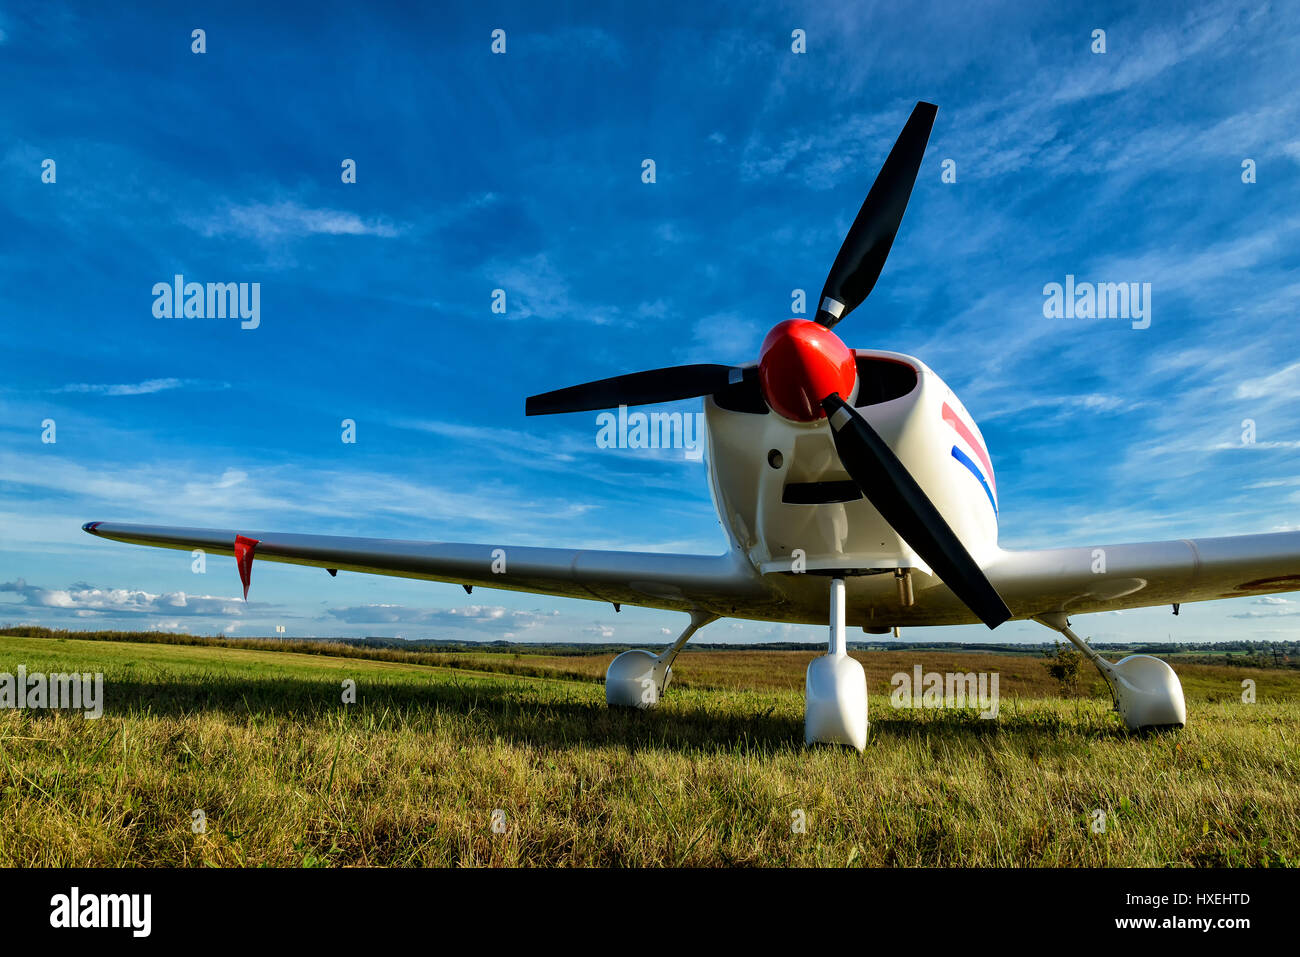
90, 528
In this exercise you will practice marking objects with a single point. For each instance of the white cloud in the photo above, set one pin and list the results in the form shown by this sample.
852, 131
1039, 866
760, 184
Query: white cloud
822, 154
87, 601
1127, 63
724, 337
148, 387
231, 477
288, 220
534, 287
211, 494
1068, 405
488, 618
1284, 382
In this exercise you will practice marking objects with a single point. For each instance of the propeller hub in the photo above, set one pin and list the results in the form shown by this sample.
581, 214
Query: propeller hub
800, 364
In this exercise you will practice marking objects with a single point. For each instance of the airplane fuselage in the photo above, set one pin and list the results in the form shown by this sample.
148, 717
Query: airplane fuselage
788, 505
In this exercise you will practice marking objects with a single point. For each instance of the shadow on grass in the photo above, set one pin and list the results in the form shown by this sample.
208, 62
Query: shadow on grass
558, 715
1031, 726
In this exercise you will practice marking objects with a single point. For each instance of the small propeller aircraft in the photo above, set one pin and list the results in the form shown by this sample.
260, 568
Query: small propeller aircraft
853, 485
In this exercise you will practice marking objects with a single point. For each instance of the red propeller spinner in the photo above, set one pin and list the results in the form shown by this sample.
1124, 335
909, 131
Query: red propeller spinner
800, 364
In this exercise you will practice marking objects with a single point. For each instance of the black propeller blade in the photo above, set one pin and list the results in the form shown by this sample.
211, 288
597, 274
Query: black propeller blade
888, 485
862, 256
637, 388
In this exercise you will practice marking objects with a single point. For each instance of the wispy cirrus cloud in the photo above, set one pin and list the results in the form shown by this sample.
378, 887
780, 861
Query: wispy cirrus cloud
268, 222
1142, 52
148, 387
1283, 382
221, 494
536, 288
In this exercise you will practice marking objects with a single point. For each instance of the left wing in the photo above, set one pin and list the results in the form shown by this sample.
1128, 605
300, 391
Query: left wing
720, 584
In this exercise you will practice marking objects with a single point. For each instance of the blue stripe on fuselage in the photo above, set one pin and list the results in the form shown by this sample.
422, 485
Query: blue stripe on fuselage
964, 459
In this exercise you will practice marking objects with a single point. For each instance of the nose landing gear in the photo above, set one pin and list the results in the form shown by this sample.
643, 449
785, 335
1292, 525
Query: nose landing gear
835, 688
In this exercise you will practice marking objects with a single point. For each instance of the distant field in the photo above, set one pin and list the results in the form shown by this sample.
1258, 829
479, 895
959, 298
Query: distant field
286, 774
1019, 676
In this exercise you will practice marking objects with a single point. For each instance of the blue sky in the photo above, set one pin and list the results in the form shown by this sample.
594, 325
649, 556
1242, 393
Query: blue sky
523, 171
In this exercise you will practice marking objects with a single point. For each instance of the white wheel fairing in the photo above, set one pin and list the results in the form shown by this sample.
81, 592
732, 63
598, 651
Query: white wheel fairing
835, 702
631, 680
1147, 692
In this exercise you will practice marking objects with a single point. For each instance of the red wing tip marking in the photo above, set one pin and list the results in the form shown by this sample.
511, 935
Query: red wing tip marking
244, 549
91, 526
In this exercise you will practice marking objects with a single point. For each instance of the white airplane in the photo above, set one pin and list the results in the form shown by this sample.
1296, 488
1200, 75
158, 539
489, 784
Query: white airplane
853, 485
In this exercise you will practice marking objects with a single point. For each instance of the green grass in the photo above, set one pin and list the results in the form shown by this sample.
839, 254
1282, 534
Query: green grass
411, 774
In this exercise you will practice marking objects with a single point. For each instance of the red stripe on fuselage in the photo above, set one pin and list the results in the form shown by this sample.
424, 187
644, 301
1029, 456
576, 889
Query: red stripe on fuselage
952, 419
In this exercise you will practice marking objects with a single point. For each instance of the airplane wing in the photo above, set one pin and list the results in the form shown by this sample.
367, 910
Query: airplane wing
1147, 574
719, 584
1033, 582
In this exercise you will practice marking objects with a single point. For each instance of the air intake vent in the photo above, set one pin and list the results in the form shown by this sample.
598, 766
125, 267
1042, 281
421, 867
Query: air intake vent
820, 493
880, 380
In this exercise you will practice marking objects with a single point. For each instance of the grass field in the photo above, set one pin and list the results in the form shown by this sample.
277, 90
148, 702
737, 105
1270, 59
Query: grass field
439, 747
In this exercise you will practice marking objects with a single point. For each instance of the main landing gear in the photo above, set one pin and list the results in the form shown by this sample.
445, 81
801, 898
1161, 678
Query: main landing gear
638, 679
1147, 692
835, 690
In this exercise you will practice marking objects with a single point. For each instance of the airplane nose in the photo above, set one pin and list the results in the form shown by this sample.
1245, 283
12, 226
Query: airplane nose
801, 363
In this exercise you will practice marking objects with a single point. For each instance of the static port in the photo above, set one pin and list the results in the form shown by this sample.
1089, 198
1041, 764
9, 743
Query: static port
775, 459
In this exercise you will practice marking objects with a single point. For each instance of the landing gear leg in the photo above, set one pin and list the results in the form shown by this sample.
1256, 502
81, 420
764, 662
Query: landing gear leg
835, 690
637, 679
1147, 693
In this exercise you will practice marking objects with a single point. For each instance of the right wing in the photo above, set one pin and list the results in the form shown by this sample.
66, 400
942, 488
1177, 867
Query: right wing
724, 584
1146, 574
